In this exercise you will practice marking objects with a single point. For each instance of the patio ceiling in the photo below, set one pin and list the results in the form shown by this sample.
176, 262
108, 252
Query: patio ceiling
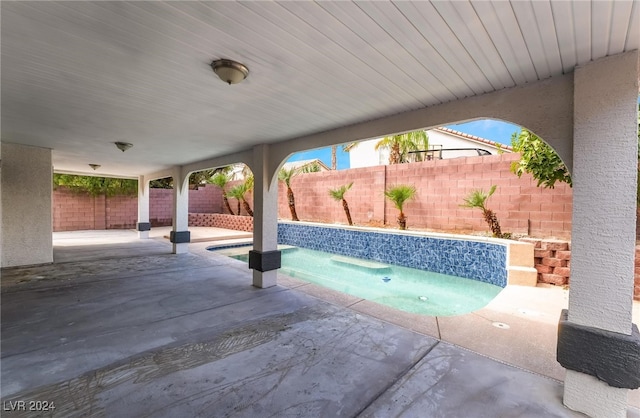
78, 76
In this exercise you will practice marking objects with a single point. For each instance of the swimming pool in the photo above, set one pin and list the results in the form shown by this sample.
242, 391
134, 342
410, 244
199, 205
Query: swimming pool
403, 288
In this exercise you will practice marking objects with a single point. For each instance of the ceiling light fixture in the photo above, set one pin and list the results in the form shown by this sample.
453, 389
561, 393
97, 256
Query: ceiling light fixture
123, 146
231, 72
95, 166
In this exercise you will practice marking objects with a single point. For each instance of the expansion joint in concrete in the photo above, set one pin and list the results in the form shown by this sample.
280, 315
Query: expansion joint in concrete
400, 376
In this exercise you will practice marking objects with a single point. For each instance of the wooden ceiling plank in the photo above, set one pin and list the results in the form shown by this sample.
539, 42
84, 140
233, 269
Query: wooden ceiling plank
434, 28
565, 31
464, 22
549, 37
502, 28
600, 27
527, 21
358, 47
581, 12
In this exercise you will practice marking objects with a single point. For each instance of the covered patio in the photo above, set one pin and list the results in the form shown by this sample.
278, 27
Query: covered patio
128, 89
120, 327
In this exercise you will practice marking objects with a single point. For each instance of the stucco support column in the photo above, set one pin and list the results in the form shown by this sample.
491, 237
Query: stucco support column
180, 235
598, 336
143, 226
265, 257
26, 223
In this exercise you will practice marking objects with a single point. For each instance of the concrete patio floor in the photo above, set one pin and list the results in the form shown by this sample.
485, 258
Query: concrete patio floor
120, 327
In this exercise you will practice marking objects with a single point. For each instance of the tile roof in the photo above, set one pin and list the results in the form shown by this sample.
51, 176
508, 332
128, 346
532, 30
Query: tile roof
504, 147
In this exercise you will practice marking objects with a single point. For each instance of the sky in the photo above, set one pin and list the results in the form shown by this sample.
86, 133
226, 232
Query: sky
490, 129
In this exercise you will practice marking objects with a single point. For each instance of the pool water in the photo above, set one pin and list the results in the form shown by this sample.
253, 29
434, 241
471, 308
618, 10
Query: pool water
403, 288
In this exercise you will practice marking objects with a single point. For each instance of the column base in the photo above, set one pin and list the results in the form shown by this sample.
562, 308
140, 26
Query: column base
264, 279
593, 397
180, 237
143, 229
264, 260
180, 248
612, 357
143, 226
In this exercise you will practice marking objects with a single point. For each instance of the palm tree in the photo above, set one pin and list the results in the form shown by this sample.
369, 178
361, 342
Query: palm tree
420, 142
285, 176
338, 194
478, 199
238, 192
248, 187
401, 144
221, 179
399, 194
334, 157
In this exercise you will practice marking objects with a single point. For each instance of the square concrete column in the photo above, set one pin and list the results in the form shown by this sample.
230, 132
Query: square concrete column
26, 189
598, 336
143, 226
265, 257
180, 235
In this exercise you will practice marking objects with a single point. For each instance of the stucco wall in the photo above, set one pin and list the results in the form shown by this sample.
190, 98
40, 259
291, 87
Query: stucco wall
26, 205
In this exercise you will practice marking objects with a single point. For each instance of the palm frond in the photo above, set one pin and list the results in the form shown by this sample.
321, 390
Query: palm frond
220, 179
478, 198
338, 194
237, 191
285, 175
399, 194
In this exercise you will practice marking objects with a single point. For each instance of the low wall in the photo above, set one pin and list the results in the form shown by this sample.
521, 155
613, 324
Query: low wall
479, 260
219, 220
552, 260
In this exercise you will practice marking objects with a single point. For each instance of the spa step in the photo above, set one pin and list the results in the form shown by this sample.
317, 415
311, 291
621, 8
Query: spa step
372, 265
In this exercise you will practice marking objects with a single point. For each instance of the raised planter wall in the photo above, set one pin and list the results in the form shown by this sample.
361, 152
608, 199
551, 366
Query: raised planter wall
552, 260
219, 220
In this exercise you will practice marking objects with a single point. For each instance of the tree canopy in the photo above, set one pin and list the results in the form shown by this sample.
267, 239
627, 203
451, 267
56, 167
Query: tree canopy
538, 159
400, 145
96, 186
544, 164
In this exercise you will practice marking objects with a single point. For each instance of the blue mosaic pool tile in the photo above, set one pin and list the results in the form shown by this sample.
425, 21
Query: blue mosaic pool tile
481, 261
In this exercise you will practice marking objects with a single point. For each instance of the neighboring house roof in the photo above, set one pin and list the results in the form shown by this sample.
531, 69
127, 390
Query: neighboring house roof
506, 148
304, 163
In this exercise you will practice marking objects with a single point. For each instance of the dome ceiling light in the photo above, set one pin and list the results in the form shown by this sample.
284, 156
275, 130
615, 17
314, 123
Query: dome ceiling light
123, 146
229, 71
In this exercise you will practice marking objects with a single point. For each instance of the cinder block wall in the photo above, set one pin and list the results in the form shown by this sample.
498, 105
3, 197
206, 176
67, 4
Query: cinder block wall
160, 207
121, 211
73, 211
520, 205
78, 211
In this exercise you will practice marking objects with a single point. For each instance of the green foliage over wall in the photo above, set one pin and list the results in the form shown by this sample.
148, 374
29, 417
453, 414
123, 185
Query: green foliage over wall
96, 186
538, 159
